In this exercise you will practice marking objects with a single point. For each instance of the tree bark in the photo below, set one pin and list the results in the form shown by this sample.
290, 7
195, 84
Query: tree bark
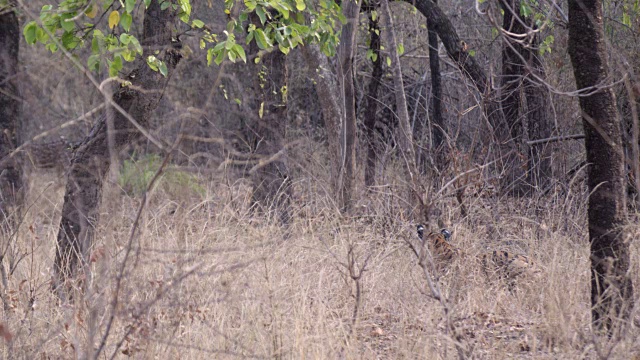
271, 184
512, 68
11, 187
438, 125
349, 136
611, 286
539, 125
520, 63
91, 160
458, 52
404, 135
326, 83
371, 109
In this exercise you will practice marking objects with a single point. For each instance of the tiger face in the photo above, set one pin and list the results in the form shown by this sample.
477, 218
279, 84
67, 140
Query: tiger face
441, 249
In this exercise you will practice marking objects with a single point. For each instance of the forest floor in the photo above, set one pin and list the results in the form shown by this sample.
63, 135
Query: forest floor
207, 279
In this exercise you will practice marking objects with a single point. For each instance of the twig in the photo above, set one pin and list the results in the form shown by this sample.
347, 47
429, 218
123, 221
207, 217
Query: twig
556, 138
134, 228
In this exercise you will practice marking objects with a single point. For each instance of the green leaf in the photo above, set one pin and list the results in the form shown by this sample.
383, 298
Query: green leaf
389, 62
220, 57
626, 19
125, 39
136, 44
285, 49
115, 66
198, 24
261, 110
30, 32
400, 49
152, 61
232, 56
147, 3
93, 62
163, 69
261, 14
129, 5
209, 57
125, 21
237, 48
261, 39
67, 25
51, 47
300, 5
129, 55
69, 41
165, 5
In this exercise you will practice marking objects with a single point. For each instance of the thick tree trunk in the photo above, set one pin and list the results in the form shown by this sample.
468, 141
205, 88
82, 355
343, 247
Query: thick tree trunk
371, 109
349, 136
611, 287
438, 125
11, 191
271, 184
91, 159
404, 135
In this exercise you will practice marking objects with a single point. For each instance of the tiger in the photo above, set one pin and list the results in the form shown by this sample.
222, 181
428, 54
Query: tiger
504, 264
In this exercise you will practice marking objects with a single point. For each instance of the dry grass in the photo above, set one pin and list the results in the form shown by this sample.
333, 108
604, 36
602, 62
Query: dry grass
206, 279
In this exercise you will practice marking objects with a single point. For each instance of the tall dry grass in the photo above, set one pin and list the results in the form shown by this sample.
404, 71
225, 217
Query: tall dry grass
208, 278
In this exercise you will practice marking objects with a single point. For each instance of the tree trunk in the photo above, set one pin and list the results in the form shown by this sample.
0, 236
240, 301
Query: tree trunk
326, 83
512, 68
539, 125
371, 107
271, 184
611, 286
520, 63
349, 136
458, 52
91, 159
11, 191
404, 136
438, 125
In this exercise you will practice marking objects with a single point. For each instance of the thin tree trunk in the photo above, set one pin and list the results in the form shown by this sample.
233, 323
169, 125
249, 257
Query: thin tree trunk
611, 286
404, 136
513, 69
91, 160
371, 107
520, 63
349, 136
11, 187
438, 125
271, 184
458, 51
326, 83
539, 125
